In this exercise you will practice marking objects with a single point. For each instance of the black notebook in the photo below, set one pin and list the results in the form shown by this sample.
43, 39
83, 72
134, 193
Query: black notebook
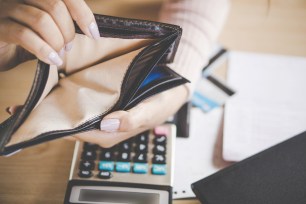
274, 176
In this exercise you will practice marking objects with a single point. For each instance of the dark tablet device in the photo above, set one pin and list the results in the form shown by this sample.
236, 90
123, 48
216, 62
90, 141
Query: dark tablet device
274, 176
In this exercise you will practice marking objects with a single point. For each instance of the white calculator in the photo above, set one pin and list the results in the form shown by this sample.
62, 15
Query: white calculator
136, 171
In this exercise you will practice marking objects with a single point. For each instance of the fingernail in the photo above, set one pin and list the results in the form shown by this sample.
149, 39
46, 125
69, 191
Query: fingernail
55, 59
62, 53
110, 125
68, 46
94, 31
8, 110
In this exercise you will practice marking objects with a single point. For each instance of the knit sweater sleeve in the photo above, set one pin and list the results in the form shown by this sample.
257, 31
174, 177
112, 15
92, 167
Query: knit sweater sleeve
201, 21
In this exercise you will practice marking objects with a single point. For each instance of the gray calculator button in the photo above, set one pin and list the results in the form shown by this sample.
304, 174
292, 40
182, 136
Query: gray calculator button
104, 175
85, 173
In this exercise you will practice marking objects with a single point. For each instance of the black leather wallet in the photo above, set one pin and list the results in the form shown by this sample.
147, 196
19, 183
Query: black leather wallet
274, 176
125, 66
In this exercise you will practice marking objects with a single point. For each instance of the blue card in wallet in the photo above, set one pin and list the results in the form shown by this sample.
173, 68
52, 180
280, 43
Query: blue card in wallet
274, 176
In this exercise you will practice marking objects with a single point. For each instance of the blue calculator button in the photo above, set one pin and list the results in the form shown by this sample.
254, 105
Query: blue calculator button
106, 165
140, 168
123, 167
159, 169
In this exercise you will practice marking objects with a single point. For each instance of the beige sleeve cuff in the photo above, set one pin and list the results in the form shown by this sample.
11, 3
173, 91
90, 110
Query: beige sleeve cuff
201, 21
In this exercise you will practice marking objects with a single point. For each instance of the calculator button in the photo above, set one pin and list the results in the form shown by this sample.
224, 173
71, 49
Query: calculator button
161, 130
87, 165
140, 168
107, 155
89, 155
123, 167
90, 146
141, 148
104, 175
159, 159
160, 140
159, 149
143, 137
85, 174
140, 158
124, 156
125, 147
159, 169
106, 165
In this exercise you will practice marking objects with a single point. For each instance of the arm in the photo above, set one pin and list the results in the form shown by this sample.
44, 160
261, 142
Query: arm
202, 21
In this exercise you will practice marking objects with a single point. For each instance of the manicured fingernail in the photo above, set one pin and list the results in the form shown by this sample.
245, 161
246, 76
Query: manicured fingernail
68, 46
55, 59
62, 53
8, 110
94, 31
110, 125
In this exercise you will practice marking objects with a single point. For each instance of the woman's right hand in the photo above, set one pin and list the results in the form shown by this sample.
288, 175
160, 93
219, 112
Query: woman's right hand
41, 28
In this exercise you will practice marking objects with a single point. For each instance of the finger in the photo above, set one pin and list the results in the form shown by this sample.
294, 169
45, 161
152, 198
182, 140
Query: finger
124, 121
60, 14
84, 17
70, 138
13, 109
41, 22
29, 40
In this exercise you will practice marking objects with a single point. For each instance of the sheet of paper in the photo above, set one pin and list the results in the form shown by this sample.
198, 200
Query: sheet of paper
270, 103
199, 155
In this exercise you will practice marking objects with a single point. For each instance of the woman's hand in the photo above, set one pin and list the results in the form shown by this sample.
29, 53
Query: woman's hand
41, 28
121, 125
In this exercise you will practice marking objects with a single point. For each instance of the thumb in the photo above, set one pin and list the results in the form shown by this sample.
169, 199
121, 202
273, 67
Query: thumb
125, 121
13, 109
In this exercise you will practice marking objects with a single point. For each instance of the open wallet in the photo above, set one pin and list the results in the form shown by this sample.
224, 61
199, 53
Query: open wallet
125, 66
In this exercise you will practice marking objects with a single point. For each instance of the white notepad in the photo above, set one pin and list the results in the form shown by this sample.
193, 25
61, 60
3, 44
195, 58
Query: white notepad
270, 103
199, 155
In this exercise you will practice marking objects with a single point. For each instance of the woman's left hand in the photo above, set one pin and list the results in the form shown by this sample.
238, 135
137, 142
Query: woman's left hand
121, 125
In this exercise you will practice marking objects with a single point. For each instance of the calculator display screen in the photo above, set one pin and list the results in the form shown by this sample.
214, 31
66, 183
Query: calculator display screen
90, 195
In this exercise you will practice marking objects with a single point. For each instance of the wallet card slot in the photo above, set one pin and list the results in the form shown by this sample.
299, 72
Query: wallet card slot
144, 64
160, 79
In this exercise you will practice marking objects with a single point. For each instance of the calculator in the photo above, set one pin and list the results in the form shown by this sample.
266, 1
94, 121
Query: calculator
136, 171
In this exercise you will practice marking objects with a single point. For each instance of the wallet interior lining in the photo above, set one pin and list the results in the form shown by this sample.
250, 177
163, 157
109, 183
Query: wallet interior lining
58, 112
88, 52
82, 56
